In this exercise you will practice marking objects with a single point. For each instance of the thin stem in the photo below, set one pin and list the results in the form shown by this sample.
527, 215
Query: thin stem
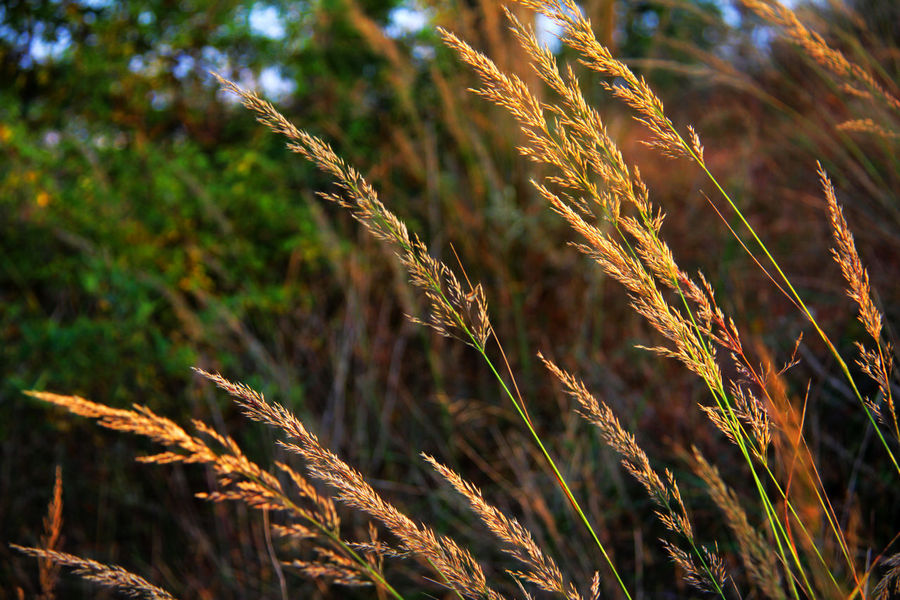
373, 573
520, 409
843, 365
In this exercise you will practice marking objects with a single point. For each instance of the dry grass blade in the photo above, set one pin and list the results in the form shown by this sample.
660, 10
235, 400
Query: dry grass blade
755, 550
460, 571
239, 478
582, 152
332, 567
846, 256
878, 363
455, 312
709, 574
455, 565
863, 83
261, 489
542, 570
869, 126
573, 141
48, 570
633, 90
141, 421
110, 576
889, 586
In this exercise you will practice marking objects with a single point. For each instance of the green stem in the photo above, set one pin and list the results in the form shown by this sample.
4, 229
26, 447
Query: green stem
437, 288
843, 365
556, 472
374, 574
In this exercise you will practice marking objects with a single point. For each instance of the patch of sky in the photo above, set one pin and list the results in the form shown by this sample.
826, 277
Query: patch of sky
146, 18
184, 64
730, 14
95, 4
47, 46
7, 33
408, 19
649, 21
136, 64
215, 58
620, 82
265, 21
423, 52
762, 37
160, 100
275, 85
549, 33
52, 138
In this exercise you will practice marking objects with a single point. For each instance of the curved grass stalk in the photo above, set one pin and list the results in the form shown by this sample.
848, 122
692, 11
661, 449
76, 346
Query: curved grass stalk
510, 93
376, 575
796, 297
521, 411
638, 95
251, 485
641, 98
456, 314
479, 346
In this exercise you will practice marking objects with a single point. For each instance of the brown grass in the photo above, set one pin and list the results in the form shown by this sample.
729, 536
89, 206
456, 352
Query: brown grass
110, 576
798, 549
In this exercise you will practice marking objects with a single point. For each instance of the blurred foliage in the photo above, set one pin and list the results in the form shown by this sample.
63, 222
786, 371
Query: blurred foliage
147, 225
144, 230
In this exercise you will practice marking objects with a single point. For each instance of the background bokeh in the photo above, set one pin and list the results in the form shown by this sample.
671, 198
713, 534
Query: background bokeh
148, 224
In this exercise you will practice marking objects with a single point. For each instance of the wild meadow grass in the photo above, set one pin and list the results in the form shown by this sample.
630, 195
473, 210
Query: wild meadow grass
782, 529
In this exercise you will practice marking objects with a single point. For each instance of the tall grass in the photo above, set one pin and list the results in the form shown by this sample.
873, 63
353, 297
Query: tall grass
784, 532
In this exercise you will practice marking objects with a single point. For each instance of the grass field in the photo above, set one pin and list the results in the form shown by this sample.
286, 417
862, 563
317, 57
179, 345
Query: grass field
621, 344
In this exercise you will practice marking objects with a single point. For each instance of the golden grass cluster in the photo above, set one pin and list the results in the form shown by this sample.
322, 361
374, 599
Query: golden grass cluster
790, 541
855, 79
